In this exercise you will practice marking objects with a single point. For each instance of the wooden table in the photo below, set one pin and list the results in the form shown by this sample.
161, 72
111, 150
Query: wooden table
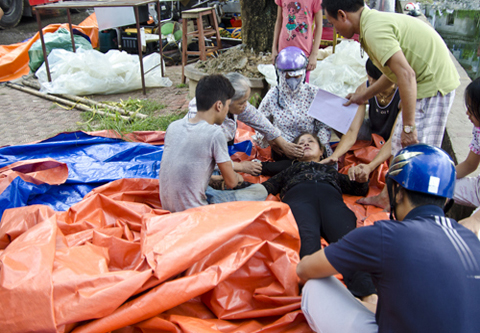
106, 3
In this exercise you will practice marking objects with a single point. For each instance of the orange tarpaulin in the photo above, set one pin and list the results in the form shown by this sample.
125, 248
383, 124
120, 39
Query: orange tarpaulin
117, 262
14, 58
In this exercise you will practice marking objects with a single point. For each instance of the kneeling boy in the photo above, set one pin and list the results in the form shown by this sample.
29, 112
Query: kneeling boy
194, 146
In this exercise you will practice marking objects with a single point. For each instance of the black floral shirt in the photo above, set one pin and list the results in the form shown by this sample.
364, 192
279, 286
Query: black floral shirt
312, 171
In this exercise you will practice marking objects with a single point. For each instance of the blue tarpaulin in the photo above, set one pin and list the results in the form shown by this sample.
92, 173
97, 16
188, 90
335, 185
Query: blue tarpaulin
92, 161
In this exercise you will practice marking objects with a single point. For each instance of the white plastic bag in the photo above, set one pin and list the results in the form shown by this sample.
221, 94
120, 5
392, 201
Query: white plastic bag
340, 73
89, 72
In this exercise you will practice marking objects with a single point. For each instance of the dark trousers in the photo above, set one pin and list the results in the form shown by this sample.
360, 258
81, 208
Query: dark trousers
320, 211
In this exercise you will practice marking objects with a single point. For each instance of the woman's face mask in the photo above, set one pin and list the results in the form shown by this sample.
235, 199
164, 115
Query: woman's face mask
293, 82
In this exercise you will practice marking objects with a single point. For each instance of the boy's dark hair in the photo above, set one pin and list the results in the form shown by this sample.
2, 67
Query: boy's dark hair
372, 70
472, 98
418, 199
213, 88
333, 6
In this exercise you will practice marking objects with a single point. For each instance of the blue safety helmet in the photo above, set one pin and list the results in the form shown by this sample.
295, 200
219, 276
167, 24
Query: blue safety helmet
424, 168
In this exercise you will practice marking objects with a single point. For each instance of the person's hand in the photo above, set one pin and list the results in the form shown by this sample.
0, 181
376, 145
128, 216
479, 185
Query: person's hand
409, 139
239, 179
362, 173
250, 167
329, 160
471, 223
355, 98
274, 56
292, 150
312, 62
359, 173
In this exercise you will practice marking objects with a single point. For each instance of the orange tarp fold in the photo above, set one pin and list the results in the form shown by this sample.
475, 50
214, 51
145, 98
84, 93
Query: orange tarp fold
113, 262
117, 262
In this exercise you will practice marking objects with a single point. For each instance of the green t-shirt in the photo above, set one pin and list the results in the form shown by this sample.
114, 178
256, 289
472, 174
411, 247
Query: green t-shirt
383, 34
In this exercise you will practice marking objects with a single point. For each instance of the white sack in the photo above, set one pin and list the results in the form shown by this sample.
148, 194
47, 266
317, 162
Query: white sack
89, 72
340, 73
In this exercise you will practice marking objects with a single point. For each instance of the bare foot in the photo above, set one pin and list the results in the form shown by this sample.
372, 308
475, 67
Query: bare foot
380, 200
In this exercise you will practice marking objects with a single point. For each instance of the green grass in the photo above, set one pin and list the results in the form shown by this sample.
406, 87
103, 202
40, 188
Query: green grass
255, 100
96, 122
181, 85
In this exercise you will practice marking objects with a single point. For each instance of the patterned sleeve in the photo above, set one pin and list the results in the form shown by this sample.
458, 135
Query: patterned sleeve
475, 144
256, 119
351, 187
268, 103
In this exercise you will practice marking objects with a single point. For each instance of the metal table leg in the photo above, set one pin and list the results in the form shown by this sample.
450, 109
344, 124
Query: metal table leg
44, 49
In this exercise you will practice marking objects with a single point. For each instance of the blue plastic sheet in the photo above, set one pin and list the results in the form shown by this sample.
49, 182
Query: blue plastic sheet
92, 161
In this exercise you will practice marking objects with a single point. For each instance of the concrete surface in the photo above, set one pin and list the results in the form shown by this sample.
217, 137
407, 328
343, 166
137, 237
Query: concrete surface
25, 118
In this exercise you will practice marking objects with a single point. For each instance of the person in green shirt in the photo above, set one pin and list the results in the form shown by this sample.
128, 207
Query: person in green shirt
409, 53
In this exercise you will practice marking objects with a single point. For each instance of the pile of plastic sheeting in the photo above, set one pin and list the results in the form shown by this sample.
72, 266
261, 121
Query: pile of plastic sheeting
340, 73
88, 72
110, 263
115, 261
60, 171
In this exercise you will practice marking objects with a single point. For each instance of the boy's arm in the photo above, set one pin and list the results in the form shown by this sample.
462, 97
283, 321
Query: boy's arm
276, 34
230, 177
348, 139
315, 266
362, 171
468, 166
317, 38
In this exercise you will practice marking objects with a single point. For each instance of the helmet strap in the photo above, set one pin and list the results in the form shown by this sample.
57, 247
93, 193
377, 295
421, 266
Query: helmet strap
448, 205
392, 195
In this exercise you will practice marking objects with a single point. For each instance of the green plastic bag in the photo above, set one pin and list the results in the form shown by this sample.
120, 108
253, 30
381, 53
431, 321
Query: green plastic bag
59, 39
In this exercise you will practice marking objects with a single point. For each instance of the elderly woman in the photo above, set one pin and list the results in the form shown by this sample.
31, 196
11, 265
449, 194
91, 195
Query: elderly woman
242, 110
288, 103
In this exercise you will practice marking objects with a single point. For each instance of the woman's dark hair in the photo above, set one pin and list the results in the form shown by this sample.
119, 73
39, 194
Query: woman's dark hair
472, 98
372, 70
333, 6
213, 88
322, 147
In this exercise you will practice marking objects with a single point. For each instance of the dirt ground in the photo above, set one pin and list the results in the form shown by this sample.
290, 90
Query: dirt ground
236, 59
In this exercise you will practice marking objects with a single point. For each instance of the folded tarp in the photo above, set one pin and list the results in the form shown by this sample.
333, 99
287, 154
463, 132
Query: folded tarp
72, 164
112, 263
115, 261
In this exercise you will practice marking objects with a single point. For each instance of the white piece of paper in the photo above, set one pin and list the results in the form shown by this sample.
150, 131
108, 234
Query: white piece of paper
329, 109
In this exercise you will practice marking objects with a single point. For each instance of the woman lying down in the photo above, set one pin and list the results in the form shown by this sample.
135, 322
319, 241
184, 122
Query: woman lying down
314, 193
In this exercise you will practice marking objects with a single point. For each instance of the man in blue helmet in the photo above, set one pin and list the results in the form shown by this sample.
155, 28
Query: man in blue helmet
425, 266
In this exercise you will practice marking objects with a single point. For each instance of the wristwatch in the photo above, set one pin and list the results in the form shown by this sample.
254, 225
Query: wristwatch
408, 129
